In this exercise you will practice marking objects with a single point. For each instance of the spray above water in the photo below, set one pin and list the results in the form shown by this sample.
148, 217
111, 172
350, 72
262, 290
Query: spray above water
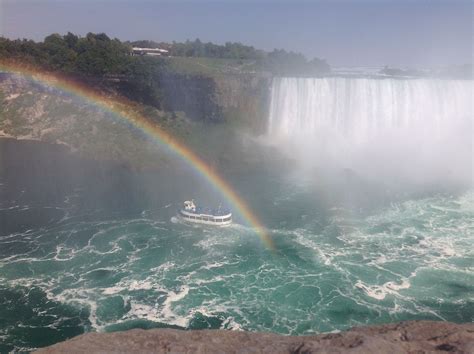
413, 129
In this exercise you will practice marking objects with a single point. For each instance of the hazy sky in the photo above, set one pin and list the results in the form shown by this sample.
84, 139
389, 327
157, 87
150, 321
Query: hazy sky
397, 33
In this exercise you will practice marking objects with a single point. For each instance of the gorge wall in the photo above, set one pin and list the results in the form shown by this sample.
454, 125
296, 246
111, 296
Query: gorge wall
231, 97
186, 106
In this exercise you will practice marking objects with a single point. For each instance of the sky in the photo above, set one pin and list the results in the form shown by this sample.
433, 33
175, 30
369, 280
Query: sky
403, 33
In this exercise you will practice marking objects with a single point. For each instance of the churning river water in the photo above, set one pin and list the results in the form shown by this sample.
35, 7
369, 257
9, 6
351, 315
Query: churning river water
364, 185
88, 247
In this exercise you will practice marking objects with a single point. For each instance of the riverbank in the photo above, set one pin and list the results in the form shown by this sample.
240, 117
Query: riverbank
403, 337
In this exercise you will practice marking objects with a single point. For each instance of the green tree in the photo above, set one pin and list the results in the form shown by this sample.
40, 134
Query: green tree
60, 56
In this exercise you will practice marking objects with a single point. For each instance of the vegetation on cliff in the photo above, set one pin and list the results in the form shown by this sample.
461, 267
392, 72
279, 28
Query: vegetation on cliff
277, 62
197, 84
197, 78
99, 55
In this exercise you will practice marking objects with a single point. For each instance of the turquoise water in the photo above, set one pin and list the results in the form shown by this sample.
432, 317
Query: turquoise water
74, 259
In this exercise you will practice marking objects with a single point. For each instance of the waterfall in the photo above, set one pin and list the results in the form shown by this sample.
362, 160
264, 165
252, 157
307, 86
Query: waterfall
359, 110
414, 127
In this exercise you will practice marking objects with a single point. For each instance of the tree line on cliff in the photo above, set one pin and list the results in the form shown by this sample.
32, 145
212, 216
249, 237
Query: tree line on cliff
107, 62
99, 55
277, 62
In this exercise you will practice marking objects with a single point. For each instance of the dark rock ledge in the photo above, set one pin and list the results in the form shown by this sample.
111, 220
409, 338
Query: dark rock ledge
405, 337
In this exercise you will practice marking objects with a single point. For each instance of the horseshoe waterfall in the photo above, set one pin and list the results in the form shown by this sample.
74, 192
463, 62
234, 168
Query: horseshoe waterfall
421, 127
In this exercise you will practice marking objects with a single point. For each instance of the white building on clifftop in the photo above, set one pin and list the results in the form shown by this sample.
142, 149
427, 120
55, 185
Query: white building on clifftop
158, 52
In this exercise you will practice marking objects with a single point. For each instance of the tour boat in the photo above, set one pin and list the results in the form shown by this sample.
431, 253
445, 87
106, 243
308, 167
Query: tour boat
192, 213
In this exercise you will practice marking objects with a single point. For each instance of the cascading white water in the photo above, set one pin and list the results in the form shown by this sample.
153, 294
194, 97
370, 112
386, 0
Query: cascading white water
362, 121
360, 109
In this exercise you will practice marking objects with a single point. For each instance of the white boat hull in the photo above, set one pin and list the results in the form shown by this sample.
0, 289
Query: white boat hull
203, 219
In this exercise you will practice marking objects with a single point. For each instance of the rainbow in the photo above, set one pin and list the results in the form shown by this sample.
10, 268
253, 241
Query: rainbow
123, 109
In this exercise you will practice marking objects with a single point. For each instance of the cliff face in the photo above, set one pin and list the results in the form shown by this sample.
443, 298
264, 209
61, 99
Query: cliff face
240, 98
405, 337
30, 111
210, 102
194, 95
245, 99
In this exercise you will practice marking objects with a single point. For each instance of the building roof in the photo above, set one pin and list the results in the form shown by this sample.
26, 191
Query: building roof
155, 50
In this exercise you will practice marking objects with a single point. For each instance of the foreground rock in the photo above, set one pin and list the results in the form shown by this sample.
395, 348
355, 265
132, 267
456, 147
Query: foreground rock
404, 337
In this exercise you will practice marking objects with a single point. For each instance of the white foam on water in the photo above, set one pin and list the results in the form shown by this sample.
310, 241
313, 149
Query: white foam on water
322, 252
163, 268
175, 290
405, 284
140, 285
64, 254
173, 297
112, 290
218, 264
231, 324
128, 285
83, 297
379, 292
152, 312
142, 311
209, 243
375, 292
215, 279
159, 313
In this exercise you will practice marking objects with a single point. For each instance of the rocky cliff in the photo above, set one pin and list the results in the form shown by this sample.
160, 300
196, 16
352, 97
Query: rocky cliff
188, 104
29, 111
404, 337
233, 97
245, 98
